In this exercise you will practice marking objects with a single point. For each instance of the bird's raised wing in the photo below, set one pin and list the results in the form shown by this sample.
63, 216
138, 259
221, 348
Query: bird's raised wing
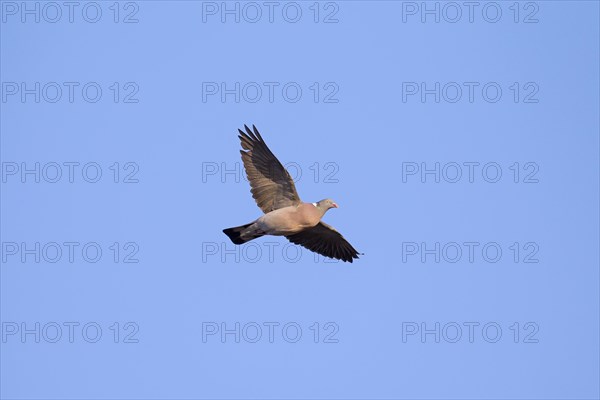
325, 240
271, 185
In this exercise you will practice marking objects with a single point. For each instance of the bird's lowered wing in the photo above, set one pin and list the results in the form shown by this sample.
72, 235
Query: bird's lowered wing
271, 185
325, 240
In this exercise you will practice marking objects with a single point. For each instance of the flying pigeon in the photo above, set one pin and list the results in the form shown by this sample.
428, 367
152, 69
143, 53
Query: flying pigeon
285, 214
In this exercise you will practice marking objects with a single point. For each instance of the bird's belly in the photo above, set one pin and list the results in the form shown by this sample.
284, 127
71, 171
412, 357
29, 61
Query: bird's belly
285, 221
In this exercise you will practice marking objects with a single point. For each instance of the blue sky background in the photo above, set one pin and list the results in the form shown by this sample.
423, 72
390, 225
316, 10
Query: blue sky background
187, 279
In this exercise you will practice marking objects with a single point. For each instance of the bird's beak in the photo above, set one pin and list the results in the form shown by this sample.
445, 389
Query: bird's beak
334, 205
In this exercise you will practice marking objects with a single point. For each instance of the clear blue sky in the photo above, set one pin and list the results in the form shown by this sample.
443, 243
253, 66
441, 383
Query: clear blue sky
463, 154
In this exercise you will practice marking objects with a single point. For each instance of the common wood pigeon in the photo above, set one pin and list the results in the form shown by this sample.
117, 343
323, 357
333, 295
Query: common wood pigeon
285, 214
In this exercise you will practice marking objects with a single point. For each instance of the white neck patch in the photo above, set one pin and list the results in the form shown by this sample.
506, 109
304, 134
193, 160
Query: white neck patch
314, 204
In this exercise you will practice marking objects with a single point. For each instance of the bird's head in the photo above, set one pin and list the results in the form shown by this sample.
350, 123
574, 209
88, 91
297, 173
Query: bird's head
326, 204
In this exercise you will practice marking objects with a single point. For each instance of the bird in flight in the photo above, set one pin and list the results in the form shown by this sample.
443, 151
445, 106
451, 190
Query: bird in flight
284, 213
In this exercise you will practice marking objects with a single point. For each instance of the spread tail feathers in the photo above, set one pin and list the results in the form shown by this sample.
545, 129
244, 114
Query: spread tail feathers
242, 234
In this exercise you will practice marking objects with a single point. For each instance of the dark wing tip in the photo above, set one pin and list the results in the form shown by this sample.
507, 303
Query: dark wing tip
350, 257
250, 133
257, 133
